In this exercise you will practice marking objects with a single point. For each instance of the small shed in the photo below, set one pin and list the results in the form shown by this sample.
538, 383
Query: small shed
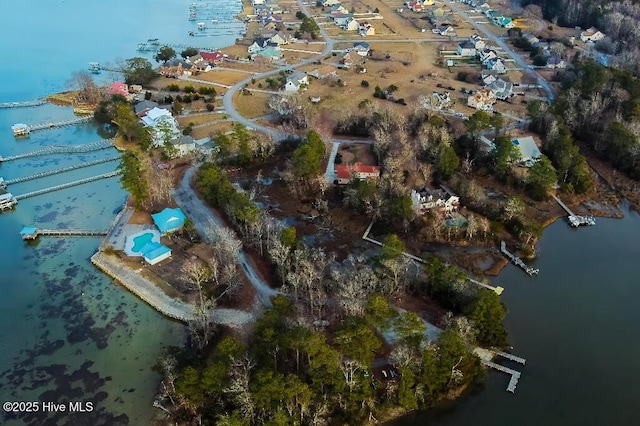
29, 233
155, 253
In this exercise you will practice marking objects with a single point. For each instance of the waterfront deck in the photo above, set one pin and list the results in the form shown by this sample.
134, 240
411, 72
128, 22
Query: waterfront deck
66, 185
517, 261
515, 375
62, 149
20, 129
574, 219
58, 171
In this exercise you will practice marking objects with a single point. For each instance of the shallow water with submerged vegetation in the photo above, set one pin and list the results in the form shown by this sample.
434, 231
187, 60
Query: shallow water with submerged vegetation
68, 332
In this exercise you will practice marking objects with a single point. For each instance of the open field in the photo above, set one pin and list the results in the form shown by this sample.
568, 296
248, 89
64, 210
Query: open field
227, 77
203, 132
184, 120
251, 106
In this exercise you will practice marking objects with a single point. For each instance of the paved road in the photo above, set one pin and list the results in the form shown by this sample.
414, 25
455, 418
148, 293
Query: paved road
498, 41
205, 219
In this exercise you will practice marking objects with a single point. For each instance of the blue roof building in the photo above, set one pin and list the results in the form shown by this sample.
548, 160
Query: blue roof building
29, 233
169, 220
155, 252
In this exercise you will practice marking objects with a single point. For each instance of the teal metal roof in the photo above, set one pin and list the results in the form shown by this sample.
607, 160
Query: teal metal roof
28, 230
169, 220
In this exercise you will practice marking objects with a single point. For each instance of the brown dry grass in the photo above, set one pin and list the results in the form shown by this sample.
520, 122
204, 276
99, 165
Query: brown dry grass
223, 76
203, 132
251, 106
199, 119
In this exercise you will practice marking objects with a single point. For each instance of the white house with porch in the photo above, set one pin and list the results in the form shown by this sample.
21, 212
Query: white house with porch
426, 199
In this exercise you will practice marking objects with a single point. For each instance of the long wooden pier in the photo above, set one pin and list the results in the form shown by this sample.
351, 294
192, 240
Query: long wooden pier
515, 375
63, 149
66, 185
24, 104
511, 357
36, 232
574, 219
55, 124
58, 171
498, 290
517, 261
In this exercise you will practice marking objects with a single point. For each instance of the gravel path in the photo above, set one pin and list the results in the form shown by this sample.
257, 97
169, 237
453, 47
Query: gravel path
204, 218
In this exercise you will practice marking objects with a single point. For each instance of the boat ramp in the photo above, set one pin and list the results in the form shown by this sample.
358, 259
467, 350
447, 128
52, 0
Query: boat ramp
24, 104
56, 171
517, 261
574, 219
21, 129
63, 149
32, 232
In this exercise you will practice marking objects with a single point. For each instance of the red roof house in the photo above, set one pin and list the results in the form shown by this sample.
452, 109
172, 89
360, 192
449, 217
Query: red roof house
212, 57
119, 88
347, 172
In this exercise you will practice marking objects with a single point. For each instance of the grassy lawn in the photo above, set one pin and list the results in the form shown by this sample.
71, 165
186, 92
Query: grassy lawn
214, 128
199, 119
223, 76
251, 106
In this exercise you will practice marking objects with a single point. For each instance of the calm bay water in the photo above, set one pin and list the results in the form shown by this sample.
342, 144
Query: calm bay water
576, 324
67, 332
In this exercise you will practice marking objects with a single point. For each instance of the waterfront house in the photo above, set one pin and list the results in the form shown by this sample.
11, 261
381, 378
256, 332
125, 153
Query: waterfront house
169, 220
119, 88
426, 199
361, 48
175, 68
212, 58
142, 108
295, 81
279, 39
199, 63
591, 35
483, 99
466, 48
164, 127
529, 151
183, 144
348, 172
257, 45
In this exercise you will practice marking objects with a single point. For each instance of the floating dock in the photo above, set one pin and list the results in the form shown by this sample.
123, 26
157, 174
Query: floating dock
517, 261
57, 171
21, 129
63, 149
574, 219
32, 232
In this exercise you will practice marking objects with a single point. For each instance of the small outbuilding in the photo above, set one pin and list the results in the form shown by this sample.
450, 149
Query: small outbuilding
169, 220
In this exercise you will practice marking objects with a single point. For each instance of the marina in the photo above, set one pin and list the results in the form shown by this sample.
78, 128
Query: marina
57, 171
574, 219
62, 149
517, 261
21, 129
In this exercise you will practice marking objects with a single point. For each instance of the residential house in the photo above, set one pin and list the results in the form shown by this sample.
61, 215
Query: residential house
269, 54
448, 31
487, 54
279, 39
183, 144
341, 19
428, 2
326, 3
439, 101
361, 48
426, 199
154, 252
119, 88
213, 58
257, 2
164, 127
175, 68
295, 81
416, 6
348, 172
497, 65
501, 88
323, 71
591, 35
488, 77
555, 61
466, 48
346, 60
483, 99
142, 108
337, 9
530, 38
366, 29
351, 24
529, 151
199, 63
257, 45
504, 21
478, 42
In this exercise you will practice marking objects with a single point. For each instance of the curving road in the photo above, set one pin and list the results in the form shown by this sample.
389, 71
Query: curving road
499, 42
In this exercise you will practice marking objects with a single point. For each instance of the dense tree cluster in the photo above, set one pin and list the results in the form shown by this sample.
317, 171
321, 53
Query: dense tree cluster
242, 147
308, 26
293, 374
138, 71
